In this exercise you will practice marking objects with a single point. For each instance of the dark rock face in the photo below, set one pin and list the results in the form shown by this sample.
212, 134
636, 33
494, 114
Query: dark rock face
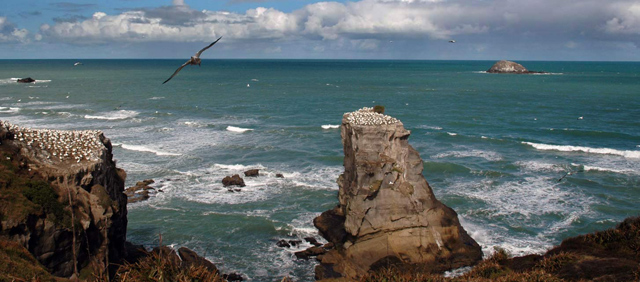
234, 180
190, 258
387, 209
283, 244
510, 67
233, 277
252, 173
279, 175
26, 80
94, 186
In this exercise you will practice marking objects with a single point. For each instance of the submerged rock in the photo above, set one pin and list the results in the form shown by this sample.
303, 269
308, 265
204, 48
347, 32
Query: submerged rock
387, 211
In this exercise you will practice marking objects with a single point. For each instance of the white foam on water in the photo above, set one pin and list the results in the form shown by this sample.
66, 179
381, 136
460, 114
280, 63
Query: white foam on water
601, 151
238, 129
9, 110
156, 98
194, 124
141, 148
432, 127
330, 126
316, 178
487, 155
8, 80
605, 169
548, 73
452, 134
539, 166
115, 115
457, 272
237, 167
521, 204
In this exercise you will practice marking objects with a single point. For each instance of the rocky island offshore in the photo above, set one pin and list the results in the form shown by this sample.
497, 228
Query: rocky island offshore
510, 67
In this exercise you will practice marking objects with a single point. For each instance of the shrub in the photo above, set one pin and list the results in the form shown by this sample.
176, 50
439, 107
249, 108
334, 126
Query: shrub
41, 193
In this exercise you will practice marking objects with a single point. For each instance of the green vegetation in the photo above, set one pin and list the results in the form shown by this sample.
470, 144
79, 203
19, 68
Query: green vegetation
42, 194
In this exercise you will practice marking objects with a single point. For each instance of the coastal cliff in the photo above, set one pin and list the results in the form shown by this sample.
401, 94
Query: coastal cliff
55, 182
387, 212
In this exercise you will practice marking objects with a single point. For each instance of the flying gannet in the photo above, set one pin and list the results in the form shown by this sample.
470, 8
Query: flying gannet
195, 60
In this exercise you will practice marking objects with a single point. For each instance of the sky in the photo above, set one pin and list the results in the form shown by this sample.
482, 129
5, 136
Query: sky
574, 30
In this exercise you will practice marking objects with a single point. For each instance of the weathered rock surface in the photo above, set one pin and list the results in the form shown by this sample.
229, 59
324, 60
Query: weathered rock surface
252, 173
234, 180
387, 210
140, 192
77, 165
510, 67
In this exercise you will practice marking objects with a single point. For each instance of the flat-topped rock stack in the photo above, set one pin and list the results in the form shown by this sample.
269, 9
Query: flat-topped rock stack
79, 167
51, 146
387, 212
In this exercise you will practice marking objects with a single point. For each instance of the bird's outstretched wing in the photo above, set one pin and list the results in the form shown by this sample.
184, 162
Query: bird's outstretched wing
176, 72
205, 48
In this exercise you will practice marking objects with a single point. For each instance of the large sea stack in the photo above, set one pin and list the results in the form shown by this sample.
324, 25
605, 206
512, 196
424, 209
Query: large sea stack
387, 212
51, 177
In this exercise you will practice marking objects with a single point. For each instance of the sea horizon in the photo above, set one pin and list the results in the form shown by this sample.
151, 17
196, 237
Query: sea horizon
525, 160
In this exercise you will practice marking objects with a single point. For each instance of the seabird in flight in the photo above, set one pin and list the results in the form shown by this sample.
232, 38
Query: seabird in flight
452, 41
195, 60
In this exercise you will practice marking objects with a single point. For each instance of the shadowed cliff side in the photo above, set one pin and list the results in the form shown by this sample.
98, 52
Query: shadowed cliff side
55, 182
387, 212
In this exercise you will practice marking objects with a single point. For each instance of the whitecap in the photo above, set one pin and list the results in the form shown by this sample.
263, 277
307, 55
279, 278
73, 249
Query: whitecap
604, 169
9, 110
156, 98
432, 127
115, 115
487, 155
452, 134
237, 167
568, 148
238, 129
141, 148
539, 166
330, 126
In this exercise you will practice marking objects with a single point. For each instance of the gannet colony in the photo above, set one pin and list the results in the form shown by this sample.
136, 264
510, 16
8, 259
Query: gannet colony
62, 145
366, 116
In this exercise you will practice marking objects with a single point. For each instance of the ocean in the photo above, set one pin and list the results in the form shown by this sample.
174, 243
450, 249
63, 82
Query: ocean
525, 160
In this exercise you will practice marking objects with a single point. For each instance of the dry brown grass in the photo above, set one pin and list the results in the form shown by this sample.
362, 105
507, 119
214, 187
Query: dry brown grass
158, 268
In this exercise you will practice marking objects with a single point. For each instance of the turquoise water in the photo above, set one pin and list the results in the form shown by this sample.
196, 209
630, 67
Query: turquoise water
494, 146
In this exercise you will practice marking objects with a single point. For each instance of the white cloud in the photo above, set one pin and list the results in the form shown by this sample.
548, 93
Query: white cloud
11, 34
627, 20
331, 25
